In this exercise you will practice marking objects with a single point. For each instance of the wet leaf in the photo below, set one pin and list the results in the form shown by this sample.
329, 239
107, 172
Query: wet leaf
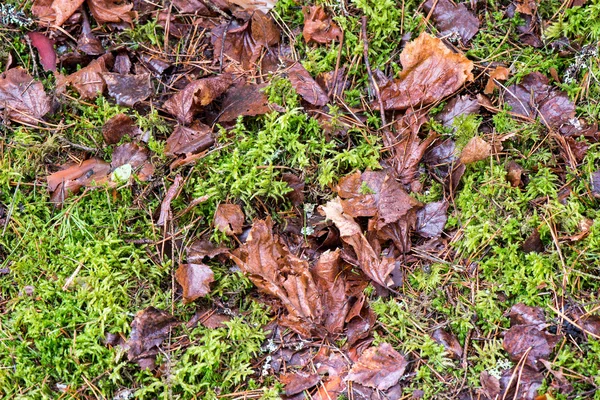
297, 185
595, 183
332, 287
306, 86
499, 73
475, 150
136, 156
165, 206
521, 314
204, 248
185, 104
449, 341
55, 12
127, 90
69, 180
195, 280
451, 19
459, 105
111, 11
431, 219
378, 367
533, 243
407, 154
22, 99
521, 340
89, 81
149, 329
229, 219
318, 27
297, 382
189, 140
87, 42
45, 48
118, 126
430, 72
245, 100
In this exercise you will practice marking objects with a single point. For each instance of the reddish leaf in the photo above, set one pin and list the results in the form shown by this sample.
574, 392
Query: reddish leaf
500, 73
45, 48
111, 11
449, 341
63, 183
332, 287
197, 94
521, 340
148, 330
459, 105
430, 72
378, 367
306, 86
297, 382
88, 81
127, 90
195, 280
318, 27
118, 126
407, 154
22, 99
229, 219
184, 140
431, 219
246, 100
451, 19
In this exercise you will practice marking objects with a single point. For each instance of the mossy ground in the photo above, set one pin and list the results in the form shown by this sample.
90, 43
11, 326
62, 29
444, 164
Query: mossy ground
82, 271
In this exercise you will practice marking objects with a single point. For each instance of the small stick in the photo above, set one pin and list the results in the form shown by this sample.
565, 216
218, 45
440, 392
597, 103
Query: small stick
366, 56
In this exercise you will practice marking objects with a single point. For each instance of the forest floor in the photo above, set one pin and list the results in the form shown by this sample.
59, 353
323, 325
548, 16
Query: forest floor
357, 199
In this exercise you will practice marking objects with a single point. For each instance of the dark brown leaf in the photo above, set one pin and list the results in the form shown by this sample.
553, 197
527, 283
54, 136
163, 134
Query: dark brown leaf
297, 184
318, 27
407, 154
197, 94
451, 19
118, 126
127, 90
521, 340
148, 330
88, 81
430, 72
459, 105
514, 174
520, 314
202, 248
87, 42
306, 86
595, 182
475, 150
524, 381
229, 219
122, 64
45, 48
165, 206
189, 140
449, 341
297, 382
195, 280
136, 156
533, 243
332, 287
245, 100
431, 219
378, 367
22, 99
111, 11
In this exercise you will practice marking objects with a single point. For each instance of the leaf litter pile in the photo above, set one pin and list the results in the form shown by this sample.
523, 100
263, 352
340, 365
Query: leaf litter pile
414, 225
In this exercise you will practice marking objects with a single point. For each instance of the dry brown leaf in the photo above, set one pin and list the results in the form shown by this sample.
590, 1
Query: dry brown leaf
319, 27
449, 341
195, 280
332, 287
55, 12
297, 382
189, 140
500, 73
165, 206
229, 219
430, 72
514, 174
22, 98
378, 367
111, 11
528, 7
476, 149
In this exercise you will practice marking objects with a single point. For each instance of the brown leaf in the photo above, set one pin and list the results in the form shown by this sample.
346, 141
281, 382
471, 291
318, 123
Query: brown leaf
195, 280
378, 367
165, 206
254, 5
296, 183
118, 126
189, 140
514, 174
148, 330
533, 243
88, 81
306, 86
449, 341
459, 105
202, 248
332, 286
245, 100
136, 156
521, 340
229, 219
407, 154
430, 72
297, 382
127, 90
22, 99
524, 381
595, 183
528, 7
451, 19
500, 73
69, 180
111, 11
55, 12
475, 150
431, 219
318, 27
188, 102
87, 42
45, 48
521, 314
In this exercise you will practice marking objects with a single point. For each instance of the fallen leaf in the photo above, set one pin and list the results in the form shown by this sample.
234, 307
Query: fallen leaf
595, 183
185, 104
203, 248
332, 287
87, 42
514, 174
149, 329
127, 90
245, 100
533, 243
55, 12
475, 150
430, 72
88, 81
531, 342
528, 7
195, 280
111, 11
431, 219
297, 184
306, 86
118, 126
136, 156
22, 98
254, 5
229, 219
318, 27
165, 206
378, 367
527, 380
449, 341
407, 154
459, 105
452, 19
189, 140
500, 73
45, 48
69, 180
297, 382
521, 314
442, 156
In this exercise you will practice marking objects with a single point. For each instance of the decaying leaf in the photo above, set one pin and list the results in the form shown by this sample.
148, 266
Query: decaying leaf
452, 19
45, 48
297, 382
528, 7
407, 154
197, 94
245, 100
89, 81
111, 11
459, 105
431, 219
165, 206
430, 72
254, 5
69, 180
318, 27
449, 341
533, 243
499, 73
378, 367
22, 98
127, 90
229, 219
189, 140
521, 314
136, 156
148, 330
515, 383
531, 342
476, 149
55, 12
595, 183
332, 287
514, 174
195, 280
118, 126
306, 86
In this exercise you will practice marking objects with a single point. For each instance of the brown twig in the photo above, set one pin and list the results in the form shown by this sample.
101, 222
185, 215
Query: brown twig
368, 65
